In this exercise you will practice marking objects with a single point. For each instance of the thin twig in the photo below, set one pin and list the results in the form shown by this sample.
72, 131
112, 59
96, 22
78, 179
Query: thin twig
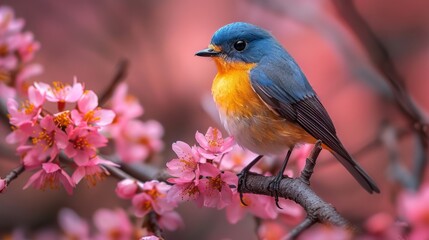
151, 223
121, 73
294, 233
14, 174
310, 162
383, 61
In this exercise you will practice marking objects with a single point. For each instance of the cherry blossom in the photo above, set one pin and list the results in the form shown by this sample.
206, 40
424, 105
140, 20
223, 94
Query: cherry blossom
153, 197
212, 144
185, 167
83, 143
91, 171
89, 114
215, 187
73, 226
127, 188
113, 224
3, 185
51, 175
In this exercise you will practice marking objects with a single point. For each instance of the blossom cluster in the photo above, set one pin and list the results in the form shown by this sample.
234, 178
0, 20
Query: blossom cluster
207, 174
150, 198
42, 134
135, 140
17, 49
105, 224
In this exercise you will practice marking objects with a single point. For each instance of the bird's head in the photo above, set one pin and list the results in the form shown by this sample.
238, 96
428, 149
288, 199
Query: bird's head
239, 43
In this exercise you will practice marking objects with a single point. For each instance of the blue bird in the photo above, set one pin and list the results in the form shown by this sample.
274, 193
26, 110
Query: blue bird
265, 101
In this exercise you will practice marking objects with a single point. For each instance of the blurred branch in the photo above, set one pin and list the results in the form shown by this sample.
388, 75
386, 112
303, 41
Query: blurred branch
308, 222
120, 74
14, 174
384, 63
151, 223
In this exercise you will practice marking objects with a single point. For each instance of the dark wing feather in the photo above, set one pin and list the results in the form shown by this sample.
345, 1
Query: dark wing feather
288, 93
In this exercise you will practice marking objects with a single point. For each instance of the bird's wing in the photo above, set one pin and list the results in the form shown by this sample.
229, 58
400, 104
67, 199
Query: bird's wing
286, 91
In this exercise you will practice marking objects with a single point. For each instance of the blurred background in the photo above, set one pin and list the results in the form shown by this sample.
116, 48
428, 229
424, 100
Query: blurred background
87, 39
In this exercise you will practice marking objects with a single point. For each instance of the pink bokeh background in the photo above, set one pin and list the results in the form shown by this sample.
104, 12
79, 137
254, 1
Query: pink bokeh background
159, 38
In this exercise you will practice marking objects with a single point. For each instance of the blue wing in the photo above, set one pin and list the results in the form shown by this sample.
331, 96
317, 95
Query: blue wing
282, 86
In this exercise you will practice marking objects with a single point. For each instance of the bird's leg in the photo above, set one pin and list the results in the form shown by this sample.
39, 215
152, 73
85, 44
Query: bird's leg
274, 185
242, 177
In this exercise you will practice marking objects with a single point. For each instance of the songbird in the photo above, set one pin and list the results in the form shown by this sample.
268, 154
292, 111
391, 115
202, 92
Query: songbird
265, 101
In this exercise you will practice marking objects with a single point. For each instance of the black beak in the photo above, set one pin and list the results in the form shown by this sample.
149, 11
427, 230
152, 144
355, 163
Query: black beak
208, 52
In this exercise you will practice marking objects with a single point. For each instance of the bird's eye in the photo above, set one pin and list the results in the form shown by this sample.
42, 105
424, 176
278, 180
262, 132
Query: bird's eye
240, 45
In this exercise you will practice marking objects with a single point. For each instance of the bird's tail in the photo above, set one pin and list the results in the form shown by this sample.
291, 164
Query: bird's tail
358, 173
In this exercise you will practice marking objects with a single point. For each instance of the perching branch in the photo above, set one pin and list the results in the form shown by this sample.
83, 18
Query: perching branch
298, 190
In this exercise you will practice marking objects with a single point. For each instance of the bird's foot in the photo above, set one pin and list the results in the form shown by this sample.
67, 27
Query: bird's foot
242, 177
274, 187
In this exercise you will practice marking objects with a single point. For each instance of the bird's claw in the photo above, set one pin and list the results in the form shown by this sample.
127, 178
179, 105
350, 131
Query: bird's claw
242, 177
274, 187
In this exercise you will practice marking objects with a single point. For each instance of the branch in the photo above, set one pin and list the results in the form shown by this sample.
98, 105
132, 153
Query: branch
382, 60
298, 191
310, 163
151, 223
14, 174
121, 73
308, 222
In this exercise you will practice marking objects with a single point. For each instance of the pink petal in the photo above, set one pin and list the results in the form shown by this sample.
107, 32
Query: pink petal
88, 101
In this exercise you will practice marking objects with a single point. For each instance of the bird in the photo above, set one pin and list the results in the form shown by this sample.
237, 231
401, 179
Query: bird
266, 103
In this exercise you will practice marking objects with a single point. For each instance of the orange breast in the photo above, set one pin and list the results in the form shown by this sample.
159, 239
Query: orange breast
232, 91
247, 117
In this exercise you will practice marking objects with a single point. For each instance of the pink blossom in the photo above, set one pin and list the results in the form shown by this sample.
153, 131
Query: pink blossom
186, 166
89, 114
126, 188
8, 22
47, 138
124, 105
184, 191
46, 141
150, 237
320, 232
51, 175
28, 71
170, 221
136, 140
28, 112
215, 187
271, 230
60, 92
212, 144
20, 134
83, 143
237, 159
91, 170
259, 205
413, 206
72, 225
113, 224
383, 226
6, 92
3, 185
153, 197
